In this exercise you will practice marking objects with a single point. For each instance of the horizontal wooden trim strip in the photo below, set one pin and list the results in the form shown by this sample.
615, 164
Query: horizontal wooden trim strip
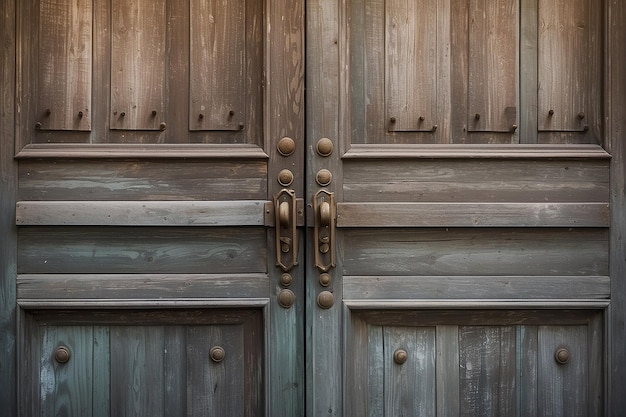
140, 213
75, 150
513, 151
473, 215
408, 288
129, 303
444, 304
138, 287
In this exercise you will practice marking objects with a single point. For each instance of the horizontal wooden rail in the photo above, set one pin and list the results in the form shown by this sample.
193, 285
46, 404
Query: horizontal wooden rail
473, 215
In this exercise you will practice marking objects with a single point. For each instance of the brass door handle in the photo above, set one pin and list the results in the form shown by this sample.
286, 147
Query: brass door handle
285, 225
324, 230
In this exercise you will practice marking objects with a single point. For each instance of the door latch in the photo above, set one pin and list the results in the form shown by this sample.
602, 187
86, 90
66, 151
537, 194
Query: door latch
285, 226
324, 230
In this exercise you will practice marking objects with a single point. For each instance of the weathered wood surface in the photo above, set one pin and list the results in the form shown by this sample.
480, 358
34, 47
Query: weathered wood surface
95, 250
65, 54
409, 288
140, 213
58, 287
472, 215
492, 79
102, 180
459, 252
471, 181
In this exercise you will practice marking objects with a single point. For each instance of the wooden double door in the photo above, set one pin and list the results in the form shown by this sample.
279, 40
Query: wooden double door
407, 217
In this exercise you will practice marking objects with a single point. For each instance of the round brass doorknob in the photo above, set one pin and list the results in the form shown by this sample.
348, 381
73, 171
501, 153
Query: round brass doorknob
283, 214
286, 298
62, 354
561, 356
286, 146
325, 214
217, 354
400, 356
324, 147
325, 299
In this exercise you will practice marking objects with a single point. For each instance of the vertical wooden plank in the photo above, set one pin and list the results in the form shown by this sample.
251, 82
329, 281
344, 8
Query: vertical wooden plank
563, 64
217, 69
527, 371
8, 186
175, 371
615, 95
137, 371
66, 388
563, 388
597, 373
215, 388
528, 72
410, 387
411, 65
65, 63
376, 372
493, 45
138, 51
487, 370
101, 386
448, 392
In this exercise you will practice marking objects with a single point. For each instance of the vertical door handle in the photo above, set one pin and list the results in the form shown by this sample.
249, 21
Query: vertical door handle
324, 230
285, 224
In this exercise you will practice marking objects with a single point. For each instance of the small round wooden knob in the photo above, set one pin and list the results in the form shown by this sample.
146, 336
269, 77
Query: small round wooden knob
286, 298
286, 146
561, 356
217, 354
285, 177
325, 147
324, 177
400, 356
325, 299
62, 354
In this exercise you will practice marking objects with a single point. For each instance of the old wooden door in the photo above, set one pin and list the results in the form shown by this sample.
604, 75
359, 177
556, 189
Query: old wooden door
459, 263
160, 152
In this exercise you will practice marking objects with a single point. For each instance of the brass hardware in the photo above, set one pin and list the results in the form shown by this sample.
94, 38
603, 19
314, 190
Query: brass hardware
325, 147
286, 146
324, 177
324, 230
400, 356
285, 177
217, 354
285, 225
286, 298
62, 354
325, 280
286, 279
325, 299
162, 126
561, 356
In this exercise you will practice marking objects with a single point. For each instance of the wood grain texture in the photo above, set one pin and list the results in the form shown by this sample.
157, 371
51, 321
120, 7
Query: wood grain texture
444, 252
65, 54
138, 73
472, 215
475, 287
492, 79
142, 250
103, 180
489, 181
448, 370
140, 213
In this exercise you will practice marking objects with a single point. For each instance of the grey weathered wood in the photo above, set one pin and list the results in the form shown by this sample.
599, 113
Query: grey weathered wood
448, 371
101, 372
96, 250
528, 368
471, 214
65, 79
528, 72
60, 287
487, 376
475, 287
492, 78
411, 53
218, 65
138, 73
376, 370
361, 372
141, 213
506, 181
445, 252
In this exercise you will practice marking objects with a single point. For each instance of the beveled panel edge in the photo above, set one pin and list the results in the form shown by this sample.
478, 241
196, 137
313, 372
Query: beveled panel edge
51, 303
477, 151
94, 151
478, 304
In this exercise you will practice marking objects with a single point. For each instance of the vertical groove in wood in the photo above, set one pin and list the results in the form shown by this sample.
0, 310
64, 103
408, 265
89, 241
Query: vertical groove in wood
411, 53
493, 47
564, 78
65, 63
138, 70
218, 65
